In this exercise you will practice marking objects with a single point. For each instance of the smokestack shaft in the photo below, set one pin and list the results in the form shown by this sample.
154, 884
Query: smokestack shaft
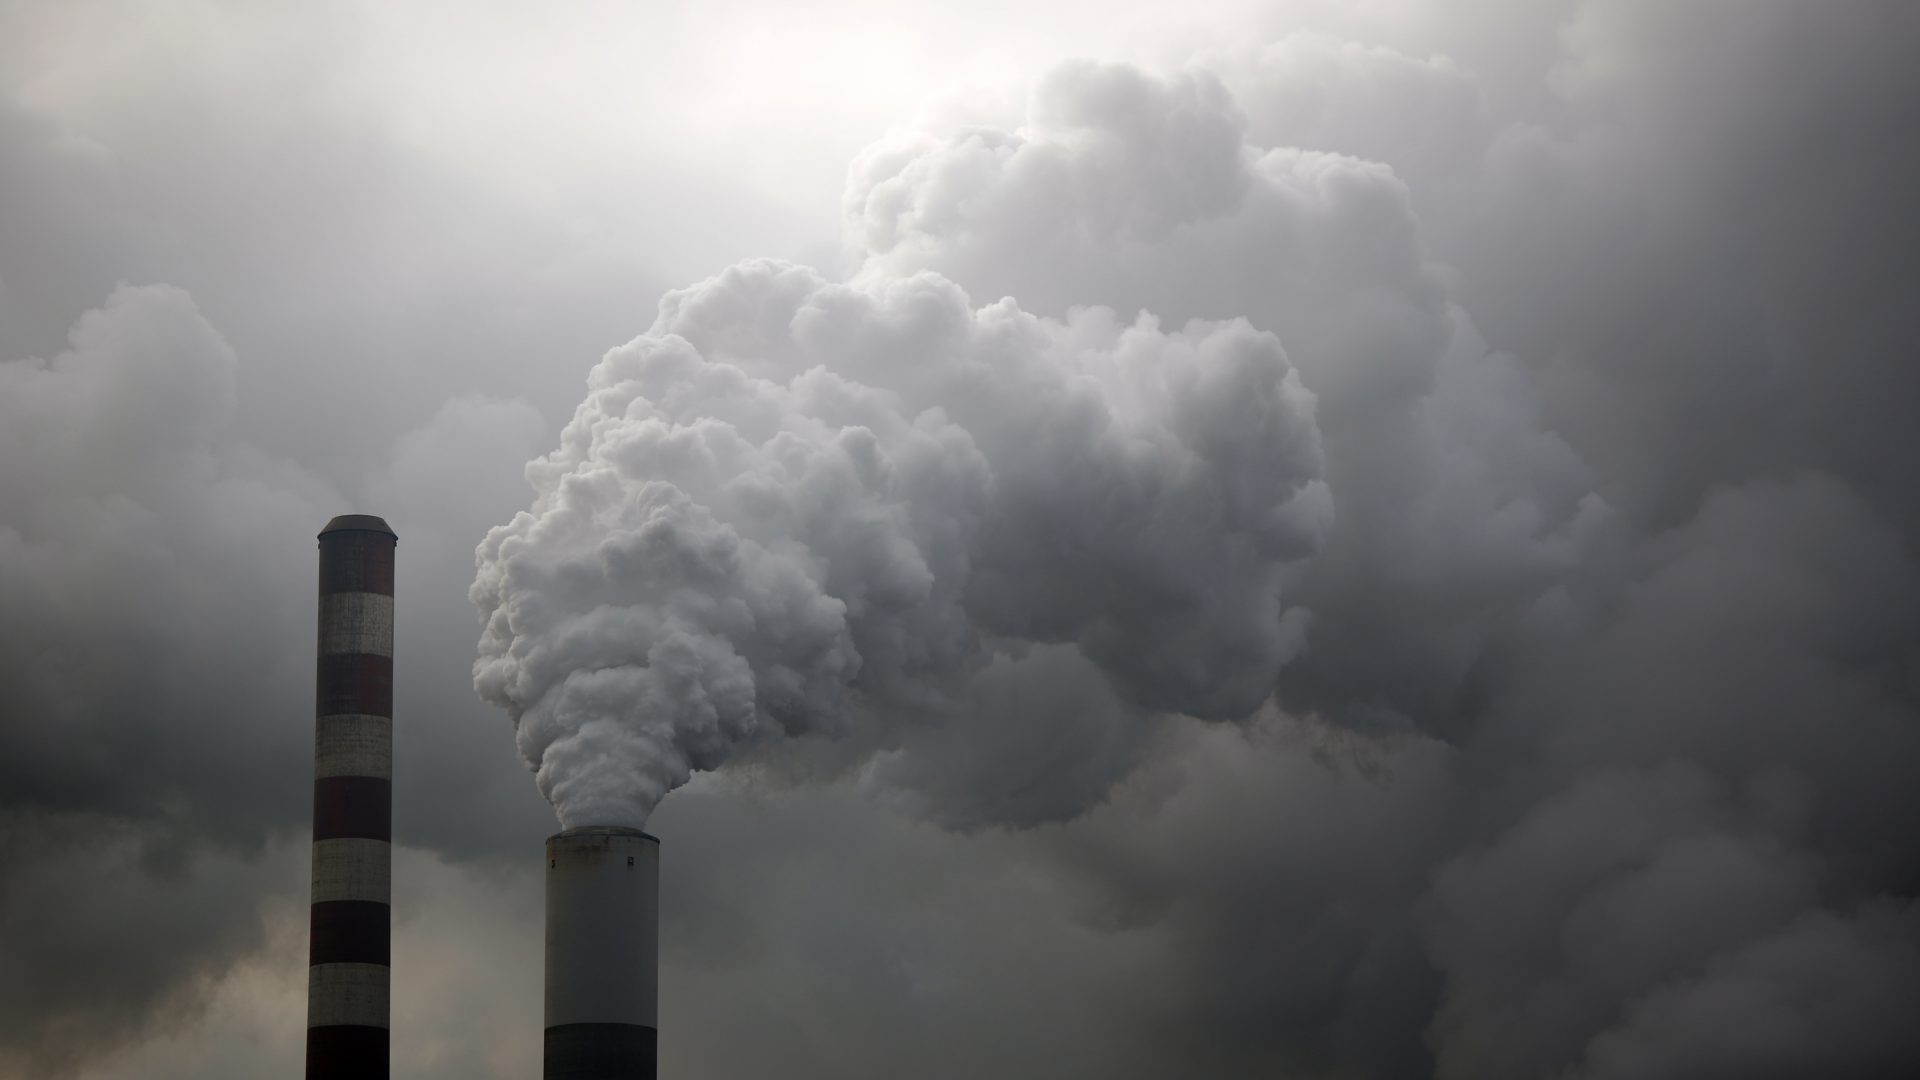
350, 929
603, 946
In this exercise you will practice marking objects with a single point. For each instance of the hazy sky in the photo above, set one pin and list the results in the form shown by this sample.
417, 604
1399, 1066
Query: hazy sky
1329, 540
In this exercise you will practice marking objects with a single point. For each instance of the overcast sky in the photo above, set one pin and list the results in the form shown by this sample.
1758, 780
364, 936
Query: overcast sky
1307, 539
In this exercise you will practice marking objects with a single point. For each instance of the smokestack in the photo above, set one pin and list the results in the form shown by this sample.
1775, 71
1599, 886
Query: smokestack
603, 944
352, 803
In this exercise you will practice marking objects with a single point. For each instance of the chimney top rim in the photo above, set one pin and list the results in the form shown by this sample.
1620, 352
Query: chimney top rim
602, 830
358, 523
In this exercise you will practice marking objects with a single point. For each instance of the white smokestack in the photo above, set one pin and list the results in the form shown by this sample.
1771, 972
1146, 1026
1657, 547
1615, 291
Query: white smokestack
603, 947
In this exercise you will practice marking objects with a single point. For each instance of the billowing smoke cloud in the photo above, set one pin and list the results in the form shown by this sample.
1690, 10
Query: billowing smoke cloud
795, 506
1600, 568
1137, 498
1453, 501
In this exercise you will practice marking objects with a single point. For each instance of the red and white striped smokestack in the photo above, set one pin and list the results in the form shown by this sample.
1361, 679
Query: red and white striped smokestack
348, 948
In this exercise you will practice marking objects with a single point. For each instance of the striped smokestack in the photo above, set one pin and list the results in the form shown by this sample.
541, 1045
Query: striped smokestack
603, 938
352, 803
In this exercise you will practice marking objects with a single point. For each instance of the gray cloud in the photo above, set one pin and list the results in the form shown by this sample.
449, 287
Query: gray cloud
118, 932
155, 571
148, 558
1593, 759
148, 575
1454, 502
1478, 581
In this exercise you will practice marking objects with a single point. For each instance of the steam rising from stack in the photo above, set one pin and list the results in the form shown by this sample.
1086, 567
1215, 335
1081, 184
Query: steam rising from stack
796, 506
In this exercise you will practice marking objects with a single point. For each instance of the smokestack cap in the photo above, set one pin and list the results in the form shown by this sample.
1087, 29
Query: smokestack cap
358, 523
583, 831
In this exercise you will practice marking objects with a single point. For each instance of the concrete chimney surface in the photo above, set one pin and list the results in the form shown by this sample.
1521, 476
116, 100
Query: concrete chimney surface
349, 941
602, 993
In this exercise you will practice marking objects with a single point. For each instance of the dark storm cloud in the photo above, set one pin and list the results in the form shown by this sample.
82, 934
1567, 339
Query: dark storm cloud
115, 931
156, 535
1146, 938
156, 575
149, 576
142, 559
1596, 761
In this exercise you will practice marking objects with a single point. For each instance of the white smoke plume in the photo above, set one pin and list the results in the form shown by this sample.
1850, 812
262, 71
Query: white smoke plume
1454, 502
1051, 469
796, 506
1629, 612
